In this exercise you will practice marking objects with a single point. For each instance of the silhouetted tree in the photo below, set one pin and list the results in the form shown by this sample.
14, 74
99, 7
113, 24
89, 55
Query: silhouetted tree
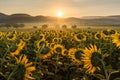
64, 26
34, 26
21, 25
74, 26
7, 25
45, 26
15, 25
18, 25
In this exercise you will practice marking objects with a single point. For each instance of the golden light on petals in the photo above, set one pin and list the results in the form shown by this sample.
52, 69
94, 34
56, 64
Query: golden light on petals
22, 62
89, 58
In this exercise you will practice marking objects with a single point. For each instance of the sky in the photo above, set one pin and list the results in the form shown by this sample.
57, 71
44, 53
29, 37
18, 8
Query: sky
70, 8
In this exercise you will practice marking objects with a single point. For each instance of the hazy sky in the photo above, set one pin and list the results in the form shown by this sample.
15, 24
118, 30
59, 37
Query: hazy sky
70, 8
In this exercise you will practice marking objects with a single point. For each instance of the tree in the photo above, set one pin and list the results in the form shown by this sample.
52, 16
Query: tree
74, 26
45, 26
64, 26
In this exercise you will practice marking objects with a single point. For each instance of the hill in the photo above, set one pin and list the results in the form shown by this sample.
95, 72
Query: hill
112, 20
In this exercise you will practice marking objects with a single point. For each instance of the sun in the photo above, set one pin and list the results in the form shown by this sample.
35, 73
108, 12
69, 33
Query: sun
60, 14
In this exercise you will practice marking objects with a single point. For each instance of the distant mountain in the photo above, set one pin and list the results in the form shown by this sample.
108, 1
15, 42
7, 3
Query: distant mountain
87, 20
92, 17
3, 17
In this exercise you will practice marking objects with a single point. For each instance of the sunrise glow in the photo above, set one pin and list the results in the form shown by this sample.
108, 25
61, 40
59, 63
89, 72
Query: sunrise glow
60, 14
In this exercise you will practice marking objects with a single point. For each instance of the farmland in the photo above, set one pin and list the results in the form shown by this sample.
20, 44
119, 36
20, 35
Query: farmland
86, 53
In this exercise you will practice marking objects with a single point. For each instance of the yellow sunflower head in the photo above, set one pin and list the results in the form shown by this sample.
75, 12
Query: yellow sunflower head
21, 46
65, 52
13, 50
24, 69
42, 36
91, 57
76, 55
26, 36
116, 39
58, 48
11, 36
1, 35
97, 36
41, 43
52, 45
19, 42
80, 37
45, 52
55, 40
109, 32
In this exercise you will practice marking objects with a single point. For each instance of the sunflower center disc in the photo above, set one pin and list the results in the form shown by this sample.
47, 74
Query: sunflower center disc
45, 50
80, 36
98, 36
95, 59
58, 49
78, 55
112, 32
106, 32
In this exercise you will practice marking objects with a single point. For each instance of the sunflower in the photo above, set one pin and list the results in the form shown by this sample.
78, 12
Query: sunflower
11, 36
13, 49
80, 37
45, 52
75, 55
65, 52
55, 40
1, 35
52, 45
97, 36
16, 52
116, 39
42, 36
26, 36
40, 43
24, 69
20, 42
91, 57
19, 46
58, 48
109, 32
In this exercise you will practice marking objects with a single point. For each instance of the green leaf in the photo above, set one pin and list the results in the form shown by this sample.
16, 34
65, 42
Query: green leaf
117, 78
106, 55
50, 73
108, 67
99, 76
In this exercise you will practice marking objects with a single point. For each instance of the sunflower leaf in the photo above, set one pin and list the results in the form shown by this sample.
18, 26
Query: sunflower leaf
106, 55
99, 76
108, 67
112, 71
117, 78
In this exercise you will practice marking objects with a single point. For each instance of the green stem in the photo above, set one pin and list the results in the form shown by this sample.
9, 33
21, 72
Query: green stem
12, 73
56, 67
105, 71
4, 58
38, 53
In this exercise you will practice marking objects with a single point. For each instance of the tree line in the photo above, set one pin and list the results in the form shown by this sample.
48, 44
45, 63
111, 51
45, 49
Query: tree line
7, 25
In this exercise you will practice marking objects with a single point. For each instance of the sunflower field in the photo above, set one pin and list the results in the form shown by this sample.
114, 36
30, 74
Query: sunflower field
60, 55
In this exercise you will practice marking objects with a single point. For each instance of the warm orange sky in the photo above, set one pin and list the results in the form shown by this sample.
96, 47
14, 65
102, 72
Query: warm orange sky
70, 8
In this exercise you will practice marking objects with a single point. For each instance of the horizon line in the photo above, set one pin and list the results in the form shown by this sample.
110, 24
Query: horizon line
62, 17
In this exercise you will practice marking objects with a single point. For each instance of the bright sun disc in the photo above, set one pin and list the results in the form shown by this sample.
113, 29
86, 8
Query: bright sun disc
60, 14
